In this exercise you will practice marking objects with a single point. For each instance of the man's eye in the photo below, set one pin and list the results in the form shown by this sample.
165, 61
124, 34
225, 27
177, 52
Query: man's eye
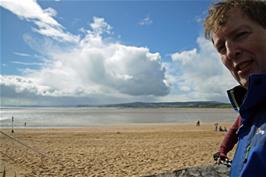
241, 35
221, 49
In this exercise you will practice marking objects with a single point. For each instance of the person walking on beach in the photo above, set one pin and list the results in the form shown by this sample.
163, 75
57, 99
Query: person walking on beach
216, 127
198, 123
12, 122
237, 29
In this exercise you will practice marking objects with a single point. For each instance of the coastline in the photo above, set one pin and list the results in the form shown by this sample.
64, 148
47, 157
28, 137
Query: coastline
113, 150
95, 117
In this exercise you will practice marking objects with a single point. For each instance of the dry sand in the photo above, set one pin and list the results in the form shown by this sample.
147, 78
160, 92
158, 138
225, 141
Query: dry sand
115, 151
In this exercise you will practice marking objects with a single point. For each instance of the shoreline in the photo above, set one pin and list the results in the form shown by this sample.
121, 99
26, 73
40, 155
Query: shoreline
120, 126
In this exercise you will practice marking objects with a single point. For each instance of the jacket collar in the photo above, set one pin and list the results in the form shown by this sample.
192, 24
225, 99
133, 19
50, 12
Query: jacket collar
246, 101
236, 96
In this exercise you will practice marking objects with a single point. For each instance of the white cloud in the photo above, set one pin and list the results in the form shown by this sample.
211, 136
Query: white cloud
99, 26
23, 84
26, 63
50, 11
102, 67
145, 21
22, 54
199, 74
185, 56
92, 68
54, 32
106, 72
30, 10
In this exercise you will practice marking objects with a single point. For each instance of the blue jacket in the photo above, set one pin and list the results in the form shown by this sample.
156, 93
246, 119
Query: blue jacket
250, 155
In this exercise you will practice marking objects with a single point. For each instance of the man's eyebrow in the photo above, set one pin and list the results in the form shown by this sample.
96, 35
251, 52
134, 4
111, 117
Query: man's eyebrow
239, 28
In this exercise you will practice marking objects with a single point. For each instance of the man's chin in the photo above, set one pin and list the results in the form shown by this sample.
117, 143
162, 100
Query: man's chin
241, 80
244, 83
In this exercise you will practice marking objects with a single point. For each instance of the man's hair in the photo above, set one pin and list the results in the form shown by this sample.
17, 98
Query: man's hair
217, 17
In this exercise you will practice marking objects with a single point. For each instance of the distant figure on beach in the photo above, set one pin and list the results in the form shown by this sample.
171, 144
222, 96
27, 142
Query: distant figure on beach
225, 129
222, 129
216, 127
198, 123
25, 124
12, 120
237, 29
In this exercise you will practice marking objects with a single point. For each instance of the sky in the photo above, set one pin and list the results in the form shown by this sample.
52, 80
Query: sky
66, 52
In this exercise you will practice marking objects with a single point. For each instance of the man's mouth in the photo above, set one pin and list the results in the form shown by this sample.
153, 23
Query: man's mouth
243, 67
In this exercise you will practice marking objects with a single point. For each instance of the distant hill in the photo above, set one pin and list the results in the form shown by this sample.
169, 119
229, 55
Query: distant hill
193, 104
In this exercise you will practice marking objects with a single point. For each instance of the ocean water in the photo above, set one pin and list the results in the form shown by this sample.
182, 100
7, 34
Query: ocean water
88, 117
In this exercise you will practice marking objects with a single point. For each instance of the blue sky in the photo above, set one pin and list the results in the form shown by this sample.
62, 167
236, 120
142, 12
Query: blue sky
101, 52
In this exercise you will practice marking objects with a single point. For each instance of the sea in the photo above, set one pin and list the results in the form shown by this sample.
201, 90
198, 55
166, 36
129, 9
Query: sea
56, 117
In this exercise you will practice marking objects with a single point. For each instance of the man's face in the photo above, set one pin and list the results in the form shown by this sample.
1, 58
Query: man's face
241, 44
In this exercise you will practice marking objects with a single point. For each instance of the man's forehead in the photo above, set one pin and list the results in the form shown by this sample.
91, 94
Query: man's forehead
233, 22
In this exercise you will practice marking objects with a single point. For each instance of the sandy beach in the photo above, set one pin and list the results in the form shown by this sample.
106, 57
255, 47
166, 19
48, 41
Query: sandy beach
115, 151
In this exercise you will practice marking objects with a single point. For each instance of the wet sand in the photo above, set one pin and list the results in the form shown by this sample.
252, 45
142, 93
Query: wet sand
115, 151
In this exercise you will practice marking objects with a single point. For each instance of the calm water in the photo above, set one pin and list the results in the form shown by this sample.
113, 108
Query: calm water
86, 117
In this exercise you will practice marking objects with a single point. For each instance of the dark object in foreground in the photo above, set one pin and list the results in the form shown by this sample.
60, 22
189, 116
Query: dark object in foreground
224, 161
200, 171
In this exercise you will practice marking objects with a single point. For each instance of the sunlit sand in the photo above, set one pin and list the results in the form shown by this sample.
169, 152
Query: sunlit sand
119, 150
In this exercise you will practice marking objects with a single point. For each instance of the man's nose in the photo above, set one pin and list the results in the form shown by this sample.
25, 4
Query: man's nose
232, 50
